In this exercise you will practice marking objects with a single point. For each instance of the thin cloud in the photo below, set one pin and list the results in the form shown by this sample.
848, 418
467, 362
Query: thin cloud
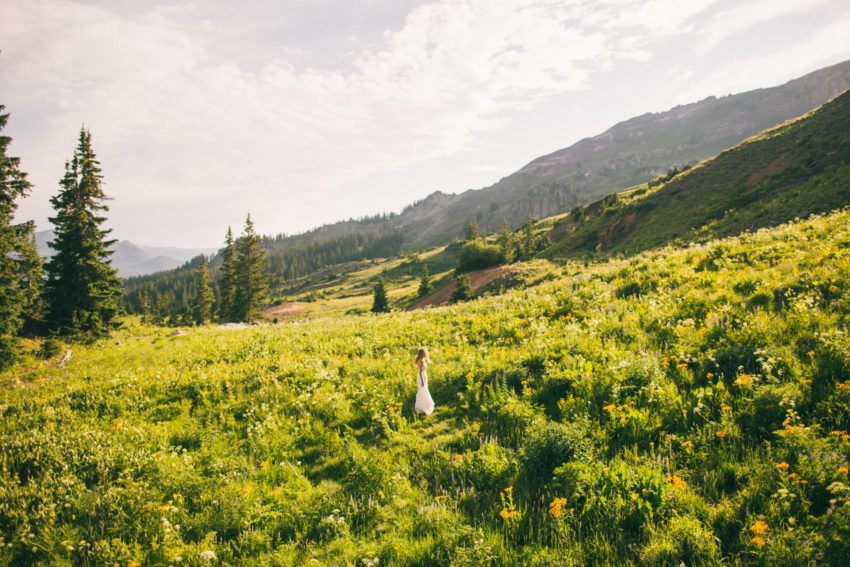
188, 139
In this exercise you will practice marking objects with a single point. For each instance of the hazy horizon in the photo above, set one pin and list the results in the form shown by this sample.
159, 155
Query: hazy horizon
309, 113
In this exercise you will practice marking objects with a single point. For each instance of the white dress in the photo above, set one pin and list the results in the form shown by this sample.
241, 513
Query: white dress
424, 403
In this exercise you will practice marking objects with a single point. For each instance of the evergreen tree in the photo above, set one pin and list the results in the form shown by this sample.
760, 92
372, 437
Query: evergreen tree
32, 278
227, 282
506, 242
82, 289
381, 303
527, 246
13, 185
463, 289
145, 306
204, 298
425, 285
252, 279
471, 232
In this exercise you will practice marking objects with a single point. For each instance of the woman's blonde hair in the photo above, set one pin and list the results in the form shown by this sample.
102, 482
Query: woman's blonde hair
423, 355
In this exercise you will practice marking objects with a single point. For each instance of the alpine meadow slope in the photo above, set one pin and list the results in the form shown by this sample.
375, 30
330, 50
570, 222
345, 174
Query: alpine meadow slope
683, 405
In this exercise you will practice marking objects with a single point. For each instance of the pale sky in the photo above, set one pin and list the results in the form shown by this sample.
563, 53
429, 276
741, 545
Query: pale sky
304, 112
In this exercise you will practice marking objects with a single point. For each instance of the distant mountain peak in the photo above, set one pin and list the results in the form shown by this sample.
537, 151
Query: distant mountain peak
131, 259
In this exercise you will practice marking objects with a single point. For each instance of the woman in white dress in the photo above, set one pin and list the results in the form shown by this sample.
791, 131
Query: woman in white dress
424, 403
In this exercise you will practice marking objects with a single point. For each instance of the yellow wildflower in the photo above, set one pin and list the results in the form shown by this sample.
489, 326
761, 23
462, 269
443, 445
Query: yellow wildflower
810, 354
678, 483
610, 408
759, 527
743, 380
688, 444
556, 505
725, 407
721, 434
509, 489
759, 541
842, 470
783, 466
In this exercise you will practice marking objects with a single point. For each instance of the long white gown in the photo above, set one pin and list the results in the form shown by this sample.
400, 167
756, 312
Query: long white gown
424, 403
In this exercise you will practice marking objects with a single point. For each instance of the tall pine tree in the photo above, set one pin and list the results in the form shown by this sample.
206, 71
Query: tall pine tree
13, 185
32, 279
425, 284
471, 231
82, 289
462, 290
252, 278
527, 242
204, 299
506, 242
227, 282
380, 303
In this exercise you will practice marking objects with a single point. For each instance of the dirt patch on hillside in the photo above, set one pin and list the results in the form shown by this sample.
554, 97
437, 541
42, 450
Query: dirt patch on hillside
282, 311
617, 231
478, 279
773, 168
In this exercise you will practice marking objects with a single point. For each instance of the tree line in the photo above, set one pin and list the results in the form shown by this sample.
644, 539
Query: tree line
77, 293
168, 297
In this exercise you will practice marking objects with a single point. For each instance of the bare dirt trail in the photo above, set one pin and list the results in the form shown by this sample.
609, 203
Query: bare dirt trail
478, 279
283, 310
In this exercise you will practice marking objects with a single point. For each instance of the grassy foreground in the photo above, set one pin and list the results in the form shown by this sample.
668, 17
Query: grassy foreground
680, 406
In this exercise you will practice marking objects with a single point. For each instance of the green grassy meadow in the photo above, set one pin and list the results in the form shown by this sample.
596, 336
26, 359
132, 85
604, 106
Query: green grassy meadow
685, 405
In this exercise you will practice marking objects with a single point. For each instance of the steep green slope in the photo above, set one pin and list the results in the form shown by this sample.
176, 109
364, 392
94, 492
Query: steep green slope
682, 406
792, 171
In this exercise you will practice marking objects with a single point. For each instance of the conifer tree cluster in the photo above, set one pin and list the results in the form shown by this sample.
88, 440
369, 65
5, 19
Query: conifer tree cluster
244, 276
15, 281
79, 297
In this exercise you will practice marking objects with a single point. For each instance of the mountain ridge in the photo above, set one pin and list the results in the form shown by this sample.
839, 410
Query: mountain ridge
131, 259
632, 151
799, 168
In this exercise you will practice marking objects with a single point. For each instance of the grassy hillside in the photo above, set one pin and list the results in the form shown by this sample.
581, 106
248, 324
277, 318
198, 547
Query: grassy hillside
681, 406
795, 170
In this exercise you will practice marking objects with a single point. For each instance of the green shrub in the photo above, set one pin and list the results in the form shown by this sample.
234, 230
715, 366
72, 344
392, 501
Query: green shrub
681, 541
549, 445
477, 255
